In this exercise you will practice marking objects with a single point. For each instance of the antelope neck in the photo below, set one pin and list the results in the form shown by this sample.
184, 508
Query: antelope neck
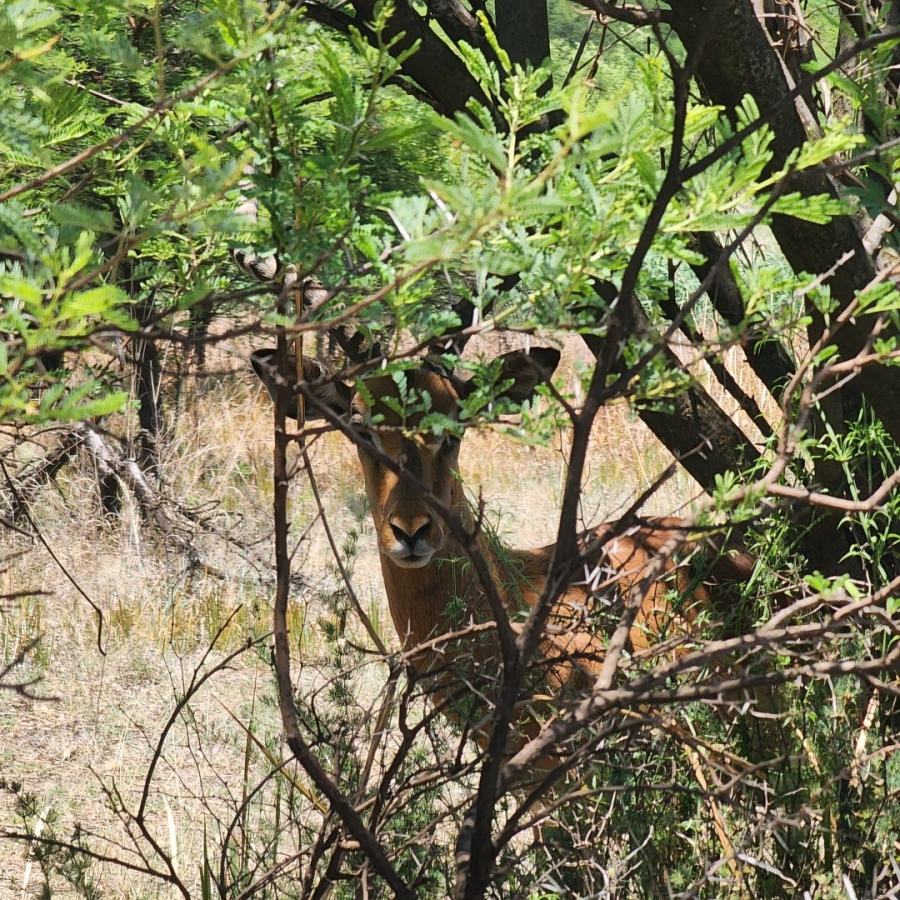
424, 602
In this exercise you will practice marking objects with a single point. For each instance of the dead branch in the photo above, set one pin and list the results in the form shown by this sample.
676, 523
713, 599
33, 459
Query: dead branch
151, 503
22, 688
37, 475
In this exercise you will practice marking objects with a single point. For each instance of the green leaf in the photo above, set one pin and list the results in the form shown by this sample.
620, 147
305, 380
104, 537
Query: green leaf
18, 287
883, 298
648, 169
486, 144
86, 217
93, 302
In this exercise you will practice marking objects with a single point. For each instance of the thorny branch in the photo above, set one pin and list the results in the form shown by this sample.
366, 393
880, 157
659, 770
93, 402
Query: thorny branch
340, 804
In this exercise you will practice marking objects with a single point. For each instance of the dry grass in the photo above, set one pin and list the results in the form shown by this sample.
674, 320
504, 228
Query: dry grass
93, 720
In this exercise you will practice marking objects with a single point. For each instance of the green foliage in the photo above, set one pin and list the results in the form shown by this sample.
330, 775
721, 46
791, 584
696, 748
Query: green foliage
580, 215
63, 859
868, 457
122, 237
37, 323
345, 154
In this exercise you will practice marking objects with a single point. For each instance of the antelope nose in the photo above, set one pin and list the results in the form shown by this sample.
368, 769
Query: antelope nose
409, 534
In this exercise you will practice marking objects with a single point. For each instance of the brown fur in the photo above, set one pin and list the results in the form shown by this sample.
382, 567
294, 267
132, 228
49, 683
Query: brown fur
424, 600
431, 587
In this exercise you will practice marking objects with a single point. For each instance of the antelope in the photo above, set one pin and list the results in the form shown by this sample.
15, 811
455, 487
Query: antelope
411, 481
414, 491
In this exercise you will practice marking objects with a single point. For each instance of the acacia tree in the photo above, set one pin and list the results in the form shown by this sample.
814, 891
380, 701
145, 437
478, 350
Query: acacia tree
551, 203
725, 53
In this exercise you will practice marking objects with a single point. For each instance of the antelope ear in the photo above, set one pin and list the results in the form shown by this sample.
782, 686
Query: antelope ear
527, 370
325, 388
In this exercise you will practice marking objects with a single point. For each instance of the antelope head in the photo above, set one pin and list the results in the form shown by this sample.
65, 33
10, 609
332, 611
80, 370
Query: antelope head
390, 442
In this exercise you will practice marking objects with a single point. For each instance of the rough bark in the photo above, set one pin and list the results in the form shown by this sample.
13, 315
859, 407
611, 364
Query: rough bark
765, 353
701, 437
717, 367
697, 431
148, 382
200, 318
523, 29
458, 23
736, 60
434, 67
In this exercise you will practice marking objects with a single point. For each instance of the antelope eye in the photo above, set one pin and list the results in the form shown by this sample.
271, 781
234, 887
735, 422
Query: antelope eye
364, 435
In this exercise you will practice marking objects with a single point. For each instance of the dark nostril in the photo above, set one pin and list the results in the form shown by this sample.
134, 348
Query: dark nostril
400, 534
410, 539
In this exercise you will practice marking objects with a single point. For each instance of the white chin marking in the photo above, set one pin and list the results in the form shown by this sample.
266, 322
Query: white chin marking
410, 562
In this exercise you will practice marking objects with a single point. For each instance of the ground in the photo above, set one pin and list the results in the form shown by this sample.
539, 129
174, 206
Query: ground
82, 736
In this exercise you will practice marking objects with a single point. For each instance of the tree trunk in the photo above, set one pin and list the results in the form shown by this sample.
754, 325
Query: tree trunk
434, 67
523, 30
766, 356
735, 59
697, 431
148, 380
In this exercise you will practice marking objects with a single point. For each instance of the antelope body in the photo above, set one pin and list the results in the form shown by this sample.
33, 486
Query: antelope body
411, 482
